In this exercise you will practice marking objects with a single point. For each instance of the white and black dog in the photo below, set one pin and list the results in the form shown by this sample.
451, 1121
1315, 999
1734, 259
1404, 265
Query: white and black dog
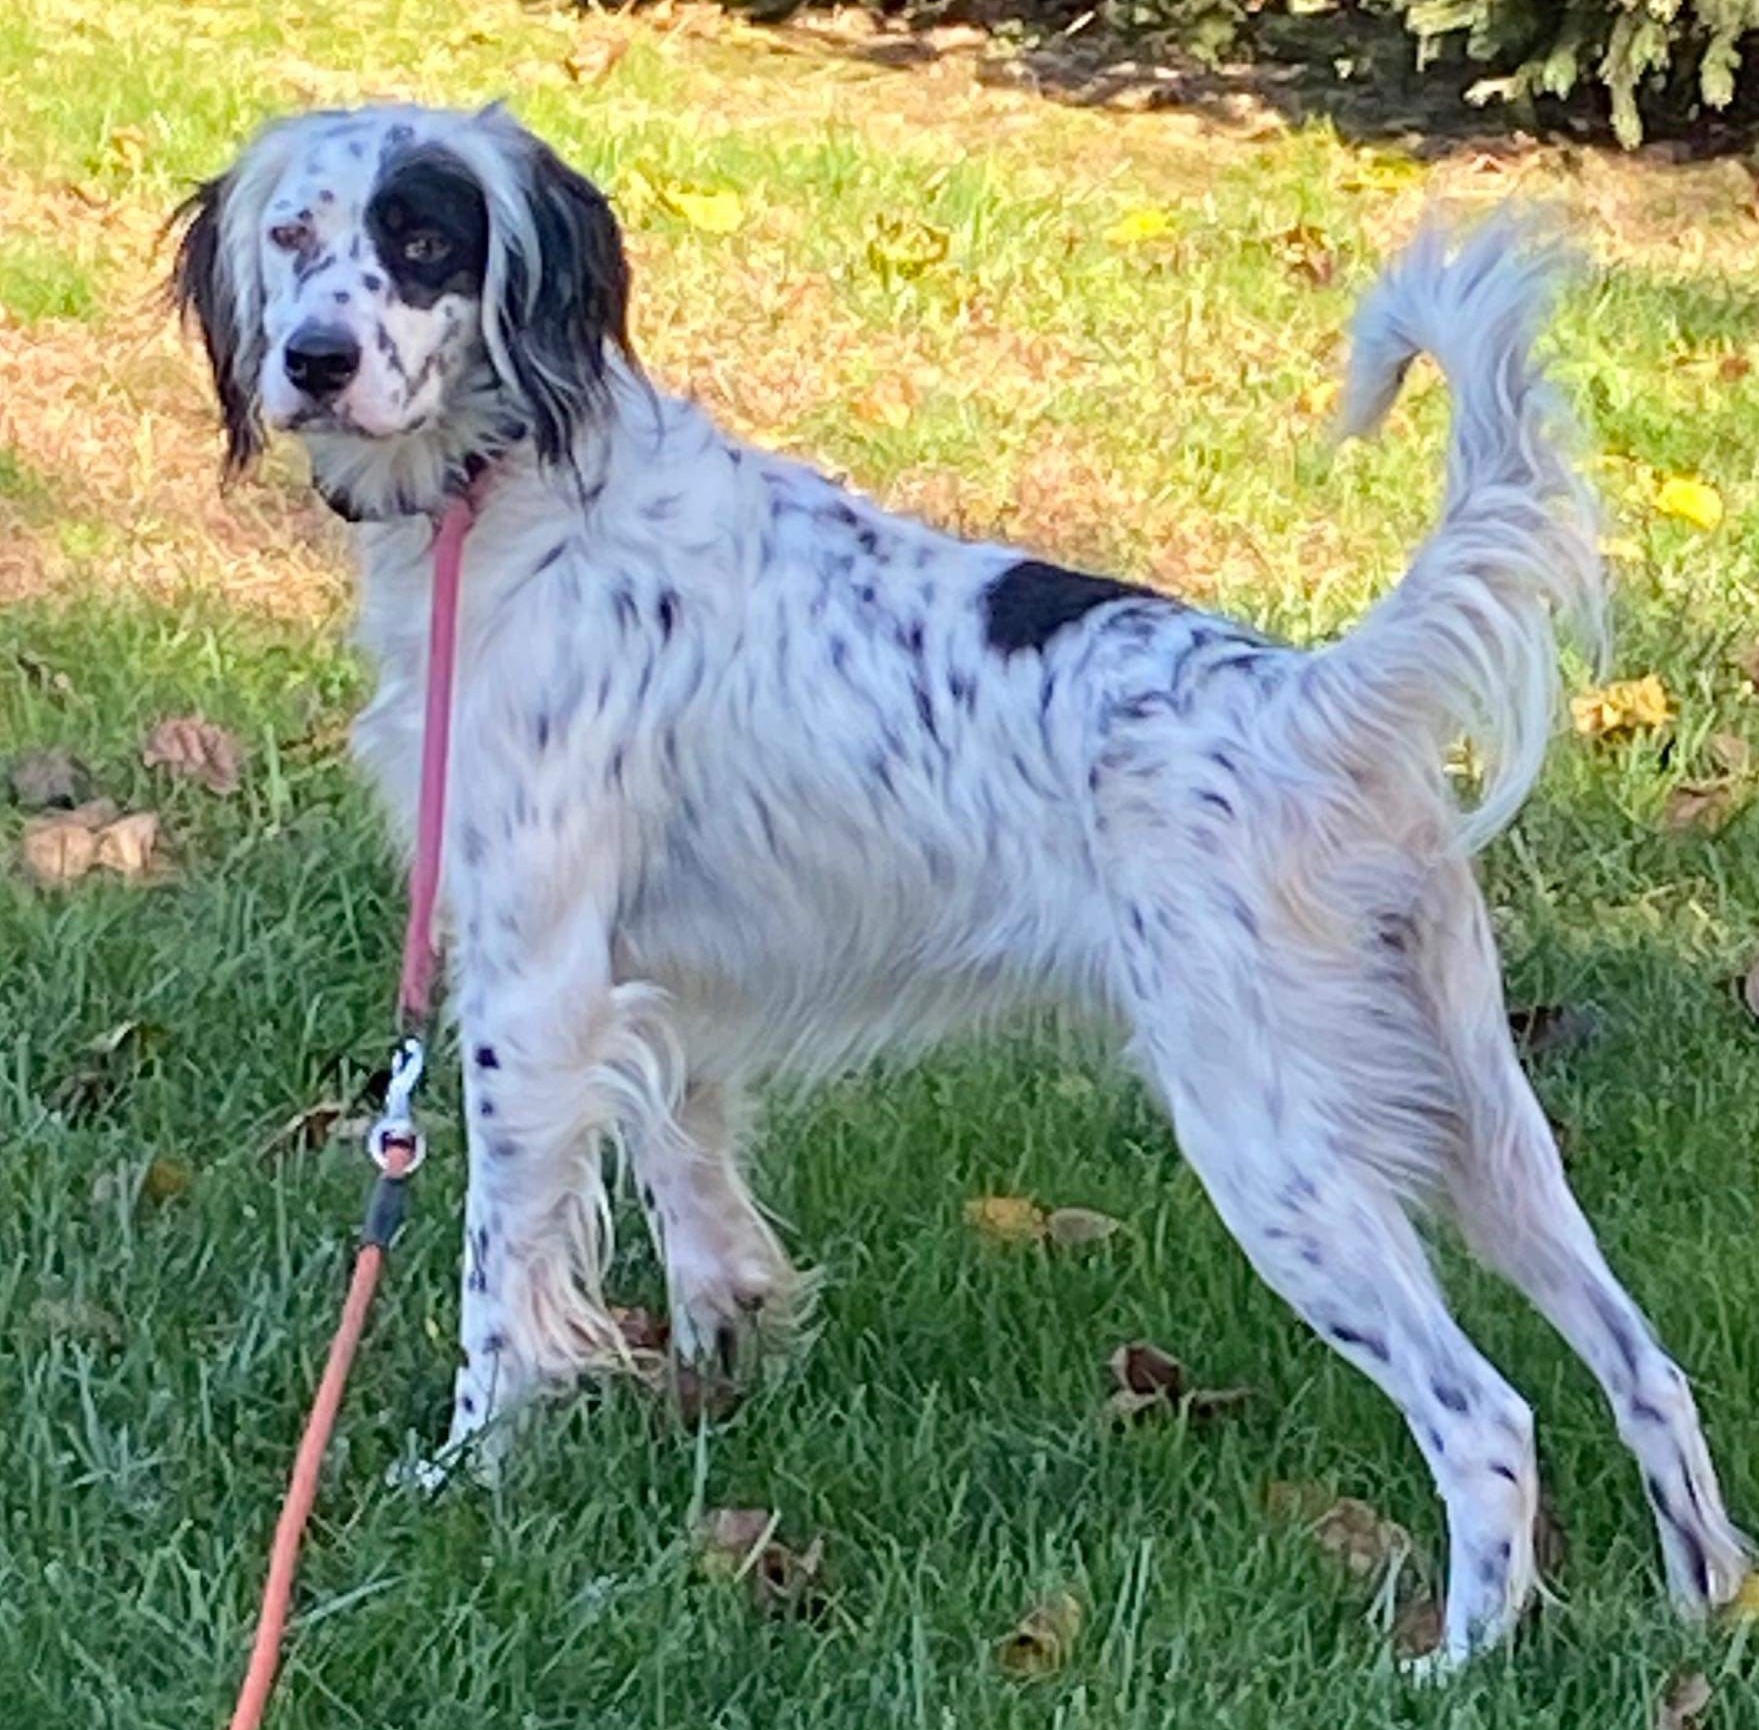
750, 776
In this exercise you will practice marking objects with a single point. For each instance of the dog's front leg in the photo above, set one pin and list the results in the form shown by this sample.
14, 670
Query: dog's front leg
546, 1079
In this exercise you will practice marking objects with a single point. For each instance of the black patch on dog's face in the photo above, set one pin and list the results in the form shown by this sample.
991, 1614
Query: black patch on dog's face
429, 223
1030, 602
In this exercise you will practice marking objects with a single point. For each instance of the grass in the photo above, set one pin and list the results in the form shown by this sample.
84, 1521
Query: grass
1152, 406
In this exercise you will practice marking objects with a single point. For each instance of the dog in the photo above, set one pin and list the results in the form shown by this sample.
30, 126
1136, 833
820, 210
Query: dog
751, 777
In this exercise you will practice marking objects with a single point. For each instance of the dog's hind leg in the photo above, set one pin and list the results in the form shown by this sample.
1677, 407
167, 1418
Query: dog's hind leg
728, 1280
1516, 1210
1269, 1068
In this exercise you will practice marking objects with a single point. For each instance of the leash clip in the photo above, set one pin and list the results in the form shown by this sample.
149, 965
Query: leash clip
395, 1128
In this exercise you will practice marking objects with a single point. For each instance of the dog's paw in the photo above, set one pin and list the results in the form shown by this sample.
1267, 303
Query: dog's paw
428, 1474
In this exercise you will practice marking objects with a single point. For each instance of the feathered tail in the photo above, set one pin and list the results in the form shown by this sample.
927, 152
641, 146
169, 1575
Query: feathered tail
1466, 643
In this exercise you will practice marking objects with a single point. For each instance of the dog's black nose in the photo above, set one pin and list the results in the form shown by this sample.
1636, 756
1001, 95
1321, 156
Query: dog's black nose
321, 359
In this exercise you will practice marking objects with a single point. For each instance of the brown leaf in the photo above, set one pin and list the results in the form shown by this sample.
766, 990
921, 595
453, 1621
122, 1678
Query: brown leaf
727, 1538
1359, 1537
1417, 1628
642, 1329
740, 1544
1745, 660
785, 1583
315, 1127
1731, 753
1543, 1027
1006, 1218
126, 846
1305, 252
58, 850
591, 62
702, 1396
1042, 1641
1205, 1405
1141, 1368
1698, 805
165, 1180
1732, 367
47, 779
105, 1063
1685, 1696
1068, 1227
196, 749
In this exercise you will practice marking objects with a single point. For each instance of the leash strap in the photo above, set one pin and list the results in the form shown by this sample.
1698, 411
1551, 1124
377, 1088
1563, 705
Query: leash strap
395, 1142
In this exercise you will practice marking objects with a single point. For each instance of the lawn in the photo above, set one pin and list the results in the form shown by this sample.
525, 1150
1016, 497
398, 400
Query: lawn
1110, 336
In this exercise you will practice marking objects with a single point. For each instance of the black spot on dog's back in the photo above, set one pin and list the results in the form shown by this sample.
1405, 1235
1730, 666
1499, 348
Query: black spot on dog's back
1030, 602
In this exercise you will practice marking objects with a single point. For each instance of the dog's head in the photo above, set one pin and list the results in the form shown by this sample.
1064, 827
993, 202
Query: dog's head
407, 289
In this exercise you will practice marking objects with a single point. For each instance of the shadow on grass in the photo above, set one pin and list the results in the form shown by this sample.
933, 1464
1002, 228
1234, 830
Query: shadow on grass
1355, 69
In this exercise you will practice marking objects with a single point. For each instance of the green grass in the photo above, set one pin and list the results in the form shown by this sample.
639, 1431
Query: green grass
156, 1355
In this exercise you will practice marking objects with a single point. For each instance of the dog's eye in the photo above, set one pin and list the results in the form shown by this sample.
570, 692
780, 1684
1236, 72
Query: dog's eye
426, 246
289, 236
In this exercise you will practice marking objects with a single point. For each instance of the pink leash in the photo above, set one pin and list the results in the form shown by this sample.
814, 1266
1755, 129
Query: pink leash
395, 1143
419, 947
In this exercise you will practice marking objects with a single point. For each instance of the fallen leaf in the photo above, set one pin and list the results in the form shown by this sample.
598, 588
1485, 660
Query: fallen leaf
196, 749
126, 846
128, 148
58, 849
1306, 252
1068, 1227
785, 1583
1539, 1028
46, 779
891, 402
1136, 226
902, 246
727, 1538
1006, 1218
1746, 661
591, 62
104, 1064
740, 1544
1320, 398
643, 1330
1701, 805
1691, 501
1730, 752
1141, 1368
1685, 1696
1625, 706
165, 1180
1744, 1605
1205, 1405
717, 211
702, 1396
315, 1127
1417, 1628
1360, 1537
1042, 1641
1733, 366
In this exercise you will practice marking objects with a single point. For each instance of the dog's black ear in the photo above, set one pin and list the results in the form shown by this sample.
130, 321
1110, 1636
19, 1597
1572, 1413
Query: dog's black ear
200, 288
565, 309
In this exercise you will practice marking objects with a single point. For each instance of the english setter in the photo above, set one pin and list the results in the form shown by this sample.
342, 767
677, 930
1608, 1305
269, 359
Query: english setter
750, 776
